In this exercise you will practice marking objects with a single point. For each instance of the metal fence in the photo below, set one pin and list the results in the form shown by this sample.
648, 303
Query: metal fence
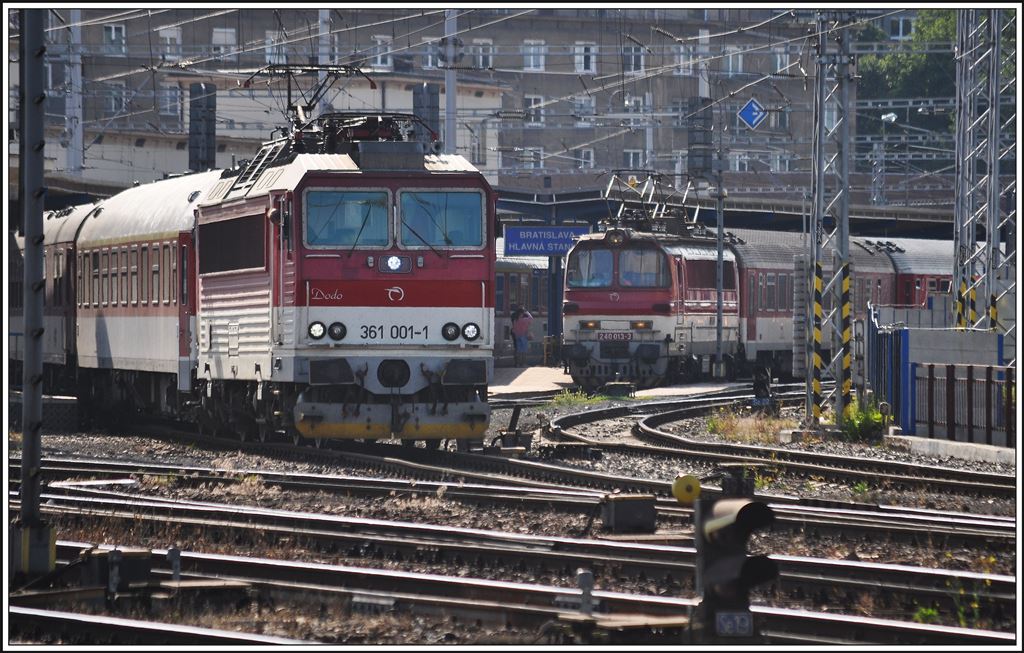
958, 402
966, 403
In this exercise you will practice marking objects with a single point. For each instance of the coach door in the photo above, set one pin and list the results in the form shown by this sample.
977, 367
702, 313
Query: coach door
183, 268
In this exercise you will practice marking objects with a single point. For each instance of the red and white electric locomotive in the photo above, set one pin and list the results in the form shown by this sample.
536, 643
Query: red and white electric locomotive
346, 287
642, 307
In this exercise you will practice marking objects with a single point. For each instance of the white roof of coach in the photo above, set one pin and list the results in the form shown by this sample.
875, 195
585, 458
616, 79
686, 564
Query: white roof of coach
156, 210
62, 226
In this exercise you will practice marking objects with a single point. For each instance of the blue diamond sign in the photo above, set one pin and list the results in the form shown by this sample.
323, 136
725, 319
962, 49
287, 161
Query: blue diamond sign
752, 113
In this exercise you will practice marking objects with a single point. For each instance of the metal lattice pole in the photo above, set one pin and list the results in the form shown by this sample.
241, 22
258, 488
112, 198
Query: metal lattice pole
830, 227
984, 213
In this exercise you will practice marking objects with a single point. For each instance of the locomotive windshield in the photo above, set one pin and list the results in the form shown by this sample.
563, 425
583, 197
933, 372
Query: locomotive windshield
346, 218
643, 268
589, 268
441, 219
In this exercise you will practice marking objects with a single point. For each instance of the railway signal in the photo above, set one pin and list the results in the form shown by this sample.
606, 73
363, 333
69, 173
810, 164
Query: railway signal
725, 573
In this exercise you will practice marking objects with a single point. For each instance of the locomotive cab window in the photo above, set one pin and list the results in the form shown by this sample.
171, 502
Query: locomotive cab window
441, 219
643, 268
336, 218
589, 268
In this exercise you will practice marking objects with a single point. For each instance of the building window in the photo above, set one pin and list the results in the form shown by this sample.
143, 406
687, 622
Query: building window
779, 119
685, 56
586, 57
482, 52
740, 162
632, 59
170, 43
901, 28
431, 53
275, 48
223, 40
113, 40
534, 110
381, 53
635, 104
533, 55
679, 166
170, 101
533, 157
583, 109
732, 61
117, 99
633, 159
583, 158
780, 59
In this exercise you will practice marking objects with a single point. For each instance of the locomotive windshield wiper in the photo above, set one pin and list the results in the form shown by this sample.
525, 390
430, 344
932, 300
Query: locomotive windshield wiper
422, 240
366, 216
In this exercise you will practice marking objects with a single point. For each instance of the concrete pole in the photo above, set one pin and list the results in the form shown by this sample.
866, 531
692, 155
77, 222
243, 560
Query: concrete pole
324, 53
33, 544
31, 195
73, 100
449, 81
719, 370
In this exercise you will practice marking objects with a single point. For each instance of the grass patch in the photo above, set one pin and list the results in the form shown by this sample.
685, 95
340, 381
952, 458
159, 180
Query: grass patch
568, 399
748, 428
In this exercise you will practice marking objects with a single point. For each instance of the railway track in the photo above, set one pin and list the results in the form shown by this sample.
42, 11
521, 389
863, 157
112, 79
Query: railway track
523, 603
937, 528
478, 548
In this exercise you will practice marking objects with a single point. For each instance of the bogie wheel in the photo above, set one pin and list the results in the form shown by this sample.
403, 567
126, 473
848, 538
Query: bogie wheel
408, 442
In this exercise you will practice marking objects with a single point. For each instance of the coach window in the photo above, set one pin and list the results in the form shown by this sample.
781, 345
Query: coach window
770, 290
761, 288
135, 276
104, 278
513, 290
441, 219
79, 288
156, 275
124, 276
57, 290
172, 273
184, 275
165, 265
144, 275
878, 291
115, 277
783, 296
752, 293
95, 278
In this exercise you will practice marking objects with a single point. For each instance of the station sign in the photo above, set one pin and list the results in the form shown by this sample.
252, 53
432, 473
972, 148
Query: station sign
541, 240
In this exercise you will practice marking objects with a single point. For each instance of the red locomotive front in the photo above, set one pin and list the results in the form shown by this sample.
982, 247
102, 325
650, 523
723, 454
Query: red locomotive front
348, 292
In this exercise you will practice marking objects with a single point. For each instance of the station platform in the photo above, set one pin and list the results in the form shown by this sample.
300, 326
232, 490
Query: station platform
513, 381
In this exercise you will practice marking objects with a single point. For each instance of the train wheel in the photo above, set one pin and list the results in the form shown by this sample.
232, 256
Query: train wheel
409, 442
434, 444
263, 432
297, 438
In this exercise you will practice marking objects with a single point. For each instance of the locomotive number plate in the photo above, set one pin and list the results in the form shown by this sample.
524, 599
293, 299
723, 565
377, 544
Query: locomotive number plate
614, 335
393, 332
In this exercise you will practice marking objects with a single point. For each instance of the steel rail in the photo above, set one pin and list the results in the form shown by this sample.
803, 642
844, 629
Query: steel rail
784, 624
372, 536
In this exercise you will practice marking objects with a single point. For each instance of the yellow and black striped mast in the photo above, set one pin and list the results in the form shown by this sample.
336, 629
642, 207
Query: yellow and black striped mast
831, 321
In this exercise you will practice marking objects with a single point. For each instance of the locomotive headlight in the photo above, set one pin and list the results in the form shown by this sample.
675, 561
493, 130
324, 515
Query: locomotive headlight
336, 331
615, 237
640, 324
590, 324
470, 331
317, 330
450, 331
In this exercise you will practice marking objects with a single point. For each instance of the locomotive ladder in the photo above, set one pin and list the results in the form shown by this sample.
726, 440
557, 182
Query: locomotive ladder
267, 155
